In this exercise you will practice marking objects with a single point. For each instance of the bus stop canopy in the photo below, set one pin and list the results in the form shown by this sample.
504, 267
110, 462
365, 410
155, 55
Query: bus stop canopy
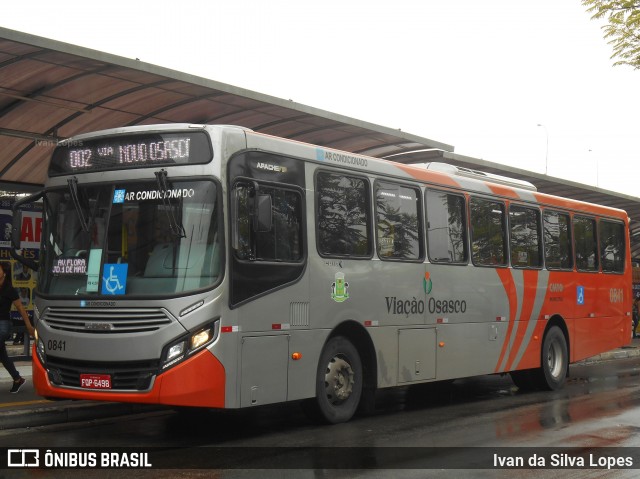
51, 90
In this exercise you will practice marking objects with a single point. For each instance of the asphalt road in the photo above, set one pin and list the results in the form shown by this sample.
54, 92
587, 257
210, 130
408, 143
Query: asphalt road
468, 422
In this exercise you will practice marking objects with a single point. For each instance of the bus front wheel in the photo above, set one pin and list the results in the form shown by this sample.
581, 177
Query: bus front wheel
555, 360
338, 381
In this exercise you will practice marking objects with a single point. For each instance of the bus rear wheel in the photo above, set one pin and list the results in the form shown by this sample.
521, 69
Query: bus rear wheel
338, 381
555, 360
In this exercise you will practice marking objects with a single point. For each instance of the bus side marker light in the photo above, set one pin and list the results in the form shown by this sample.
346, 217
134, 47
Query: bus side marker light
441, 344
370, 323
230, 329
535, 337
296, 356
280, 326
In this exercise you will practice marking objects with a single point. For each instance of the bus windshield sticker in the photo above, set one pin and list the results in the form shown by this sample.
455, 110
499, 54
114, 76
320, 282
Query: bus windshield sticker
93, 270
69, 266
580, 291
118, 196
339, 289
114, 278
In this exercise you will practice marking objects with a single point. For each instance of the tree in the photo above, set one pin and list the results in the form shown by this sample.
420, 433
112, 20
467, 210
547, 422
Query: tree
622, 29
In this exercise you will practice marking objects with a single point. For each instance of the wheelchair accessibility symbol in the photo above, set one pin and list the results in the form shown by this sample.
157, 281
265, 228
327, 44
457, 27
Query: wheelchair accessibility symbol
114, 278
580, 294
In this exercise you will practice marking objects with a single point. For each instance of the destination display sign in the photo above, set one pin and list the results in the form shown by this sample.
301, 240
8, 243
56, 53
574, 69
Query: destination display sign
130, 151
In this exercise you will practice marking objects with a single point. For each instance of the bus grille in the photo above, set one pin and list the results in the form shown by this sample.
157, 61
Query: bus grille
105, 321
130, 375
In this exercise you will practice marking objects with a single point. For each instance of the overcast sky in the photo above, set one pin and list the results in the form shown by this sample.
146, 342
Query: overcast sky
479, 75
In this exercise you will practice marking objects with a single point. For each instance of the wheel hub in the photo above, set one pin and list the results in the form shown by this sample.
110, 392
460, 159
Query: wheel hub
338, 380
554, 360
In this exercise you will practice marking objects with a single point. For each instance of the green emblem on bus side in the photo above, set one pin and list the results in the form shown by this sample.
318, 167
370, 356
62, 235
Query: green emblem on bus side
339, 289
427, 284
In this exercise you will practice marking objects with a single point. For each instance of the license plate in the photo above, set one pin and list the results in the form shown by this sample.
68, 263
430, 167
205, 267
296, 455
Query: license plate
95, 381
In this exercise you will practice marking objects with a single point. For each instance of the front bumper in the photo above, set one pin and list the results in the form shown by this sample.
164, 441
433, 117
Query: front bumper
198, 382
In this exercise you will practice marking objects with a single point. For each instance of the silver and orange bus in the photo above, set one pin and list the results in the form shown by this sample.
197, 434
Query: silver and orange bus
212, 266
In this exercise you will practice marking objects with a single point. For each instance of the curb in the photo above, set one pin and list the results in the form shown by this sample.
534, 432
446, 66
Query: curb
624, 352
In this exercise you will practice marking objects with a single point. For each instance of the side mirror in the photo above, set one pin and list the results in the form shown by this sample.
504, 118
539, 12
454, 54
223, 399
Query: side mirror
262, 218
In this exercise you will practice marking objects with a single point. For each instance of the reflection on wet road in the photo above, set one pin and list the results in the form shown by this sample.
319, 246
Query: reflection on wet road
599, 407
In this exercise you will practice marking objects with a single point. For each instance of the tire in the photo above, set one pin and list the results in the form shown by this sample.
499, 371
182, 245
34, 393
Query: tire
555, 360
339, 381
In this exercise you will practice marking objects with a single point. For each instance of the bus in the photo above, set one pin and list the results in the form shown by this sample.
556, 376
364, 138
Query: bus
212, 266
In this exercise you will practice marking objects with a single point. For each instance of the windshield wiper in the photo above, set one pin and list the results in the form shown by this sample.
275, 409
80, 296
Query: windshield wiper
73, 189
163, 185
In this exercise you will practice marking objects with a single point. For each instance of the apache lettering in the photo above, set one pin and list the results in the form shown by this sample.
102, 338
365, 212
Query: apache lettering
269, 167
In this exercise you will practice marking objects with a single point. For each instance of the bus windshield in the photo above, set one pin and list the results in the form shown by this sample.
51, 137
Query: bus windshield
135, 238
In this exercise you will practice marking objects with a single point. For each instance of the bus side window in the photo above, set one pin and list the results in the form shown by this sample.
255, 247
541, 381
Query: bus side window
557, 240
612, 246
398, 222
488, 232
524, 234
265, 259
343, 218
446, 227
283, 241
584, 230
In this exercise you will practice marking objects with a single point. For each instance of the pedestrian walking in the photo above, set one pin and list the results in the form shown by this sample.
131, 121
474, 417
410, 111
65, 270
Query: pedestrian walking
8, 297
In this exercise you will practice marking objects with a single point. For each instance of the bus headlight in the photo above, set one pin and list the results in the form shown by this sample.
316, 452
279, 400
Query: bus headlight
180, 349
201, 338
174, 354
175, 350
40, 351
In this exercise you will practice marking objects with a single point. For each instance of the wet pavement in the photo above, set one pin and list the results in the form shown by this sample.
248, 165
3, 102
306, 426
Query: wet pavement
27, 409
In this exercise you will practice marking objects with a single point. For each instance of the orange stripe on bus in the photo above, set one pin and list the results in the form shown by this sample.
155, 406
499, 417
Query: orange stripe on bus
583, 207
507, 282
530, 280
428, 175
502, 190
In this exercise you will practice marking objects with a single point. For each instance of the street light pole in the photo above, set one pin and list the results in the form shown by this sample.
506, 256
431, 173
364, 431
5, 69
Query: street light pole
597, 171
546, 155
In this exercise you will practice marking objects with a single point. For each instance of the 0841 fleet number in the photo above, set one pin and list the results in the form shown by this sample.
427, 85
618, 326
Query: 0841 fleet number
59, 345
